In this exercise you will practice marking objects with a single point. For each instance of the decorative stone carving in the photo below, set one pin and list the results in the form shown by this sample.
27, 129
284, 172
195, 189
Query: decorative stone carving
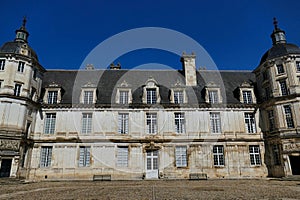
291, 147
9, 145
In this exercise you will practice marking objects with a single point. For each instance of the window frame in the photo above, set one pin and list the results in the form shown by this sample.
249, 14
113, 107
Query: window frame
283, 87
52, 99
124, 97
181, 156
87, 123
151, 123
271, 121
21, 67
2, 64
280, 69
17, 89
218, 156
178, 96
297, 66
122, 156
255, 157
179, 120
50, 123
215, 122
88, 97
247, 96
84, 156
46, 156
250, 124
289, 119
213, 96
123, 123
151, 95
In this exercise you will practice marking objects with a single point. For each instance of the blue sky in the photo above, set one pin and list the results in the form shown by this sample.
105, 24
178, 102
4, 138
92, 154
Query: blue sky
235, 33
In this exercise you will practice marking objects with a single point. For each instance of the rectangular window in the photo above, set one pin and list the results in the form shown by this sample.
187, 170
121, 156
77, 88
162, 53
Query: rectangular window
123, 120
122, 156
34, 75
86, 123
250, 123
276, 155
180, 156
178, 97
151, 96
88, 97
215, 123
271, 120
2, 65
52, 97
46, 154
84, 156
50, 123
17, 90
179, 123
288, 116
218, 153
213, 96
280, 69
32, 93
21, 66
151, 123
124, 97
298, 66
283, 88
247, 97
254, 153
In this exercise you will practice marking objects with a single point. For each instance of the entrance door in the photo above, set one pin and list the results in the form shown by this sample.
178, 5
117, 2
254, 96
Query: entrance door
152, 165
5, 167
295, 164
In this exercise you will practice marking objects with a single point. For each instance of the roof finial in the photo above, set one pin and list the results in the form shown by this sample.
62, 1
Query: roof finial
275, 22
24, 21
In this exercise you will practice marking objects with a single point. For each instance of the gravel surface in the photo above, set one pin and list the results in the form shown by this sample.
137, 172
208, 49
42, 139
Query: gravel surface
184, 189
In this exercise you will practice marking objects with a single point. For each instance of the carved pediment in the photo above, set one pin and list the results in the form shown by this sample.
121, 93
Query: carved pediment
9, 145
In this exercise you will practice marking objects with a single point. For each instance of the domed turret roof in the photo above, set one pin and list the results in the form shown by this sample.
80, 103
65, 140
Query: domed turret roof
18, 47
280, 46
20, 44
279, 50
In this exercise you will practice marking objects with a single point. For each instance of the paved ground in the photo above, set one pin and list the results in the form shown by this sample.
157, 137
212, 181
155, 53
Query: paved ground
210, 189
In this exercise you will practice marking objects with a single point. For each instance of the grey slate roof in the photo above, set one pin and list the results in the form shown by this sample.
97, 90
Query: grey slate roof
280, 50
107, 82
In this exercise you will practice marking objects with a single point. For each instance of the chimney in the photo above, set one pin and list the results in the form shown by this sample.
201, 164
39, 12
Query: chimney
189, 67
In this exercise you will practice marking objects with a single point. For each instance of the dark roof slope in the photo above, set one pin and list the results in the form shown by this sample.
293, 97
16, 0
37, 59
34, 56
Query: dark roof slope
107, 82
15, 46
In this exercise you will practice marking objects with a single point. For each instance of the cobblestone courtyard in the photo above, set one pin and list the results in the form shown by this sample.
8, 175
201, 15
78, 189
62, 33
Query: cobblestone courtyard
210, 189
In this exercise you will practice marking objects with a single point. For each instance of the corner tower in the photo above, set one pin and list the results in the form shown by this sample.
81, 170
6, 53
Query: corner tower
278, 85
20, 88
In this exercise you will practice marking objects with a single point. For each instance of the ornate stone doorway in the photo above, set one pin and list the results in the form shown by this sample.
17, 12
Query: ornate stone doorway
295, 164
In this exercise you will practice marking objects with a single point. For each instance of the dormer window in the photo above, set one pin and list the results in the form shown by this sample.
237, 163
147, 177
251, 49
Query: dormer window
2, 65
88, 97
247, 97
123, 95
151, 92
247, 93
21, 66
88, 94
52, 94
178, 97
213, 96
212, 93
151, 96
280, 69
52, 97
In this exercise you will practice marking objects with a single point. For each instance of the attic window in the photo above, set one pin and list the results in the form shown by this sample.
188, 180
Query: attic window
247, 93
212, 93
151, 92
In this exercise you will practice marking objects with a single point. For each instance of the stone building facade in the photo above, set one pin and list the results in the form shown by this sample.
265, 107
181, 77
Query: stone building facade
157, 124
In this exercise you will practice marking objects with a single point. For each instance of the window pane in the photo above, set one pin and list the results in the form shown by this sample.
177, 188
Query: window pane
288, 116
283, 87
88, 97
50, 123
123, 121
46, 155
151, 96
123, 97
215, 123
213, 96
247, 97
151, 120
254, 153
179, 123
250, 123
84, 157
178, 97
52, 97
122, 156
180, 156
86, 123
218, 155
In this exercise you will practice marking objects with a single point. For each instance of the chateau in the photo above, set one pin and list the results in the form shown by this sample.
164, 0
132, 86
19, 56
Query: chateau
118, 124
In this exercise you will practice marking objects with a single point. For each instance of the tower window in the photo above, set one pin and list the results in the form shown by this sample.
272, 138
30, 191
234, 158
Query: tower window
17, 90
271, 120
283, 87
2, 65
280, 69
298, 66
21, 67
288, 116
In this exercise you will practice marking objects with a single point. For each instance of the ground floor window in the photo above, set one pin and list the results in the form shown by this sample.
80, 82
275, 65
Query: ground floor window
180, 156
84, 156
122, 156
218, 153
254, 152
46, 155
